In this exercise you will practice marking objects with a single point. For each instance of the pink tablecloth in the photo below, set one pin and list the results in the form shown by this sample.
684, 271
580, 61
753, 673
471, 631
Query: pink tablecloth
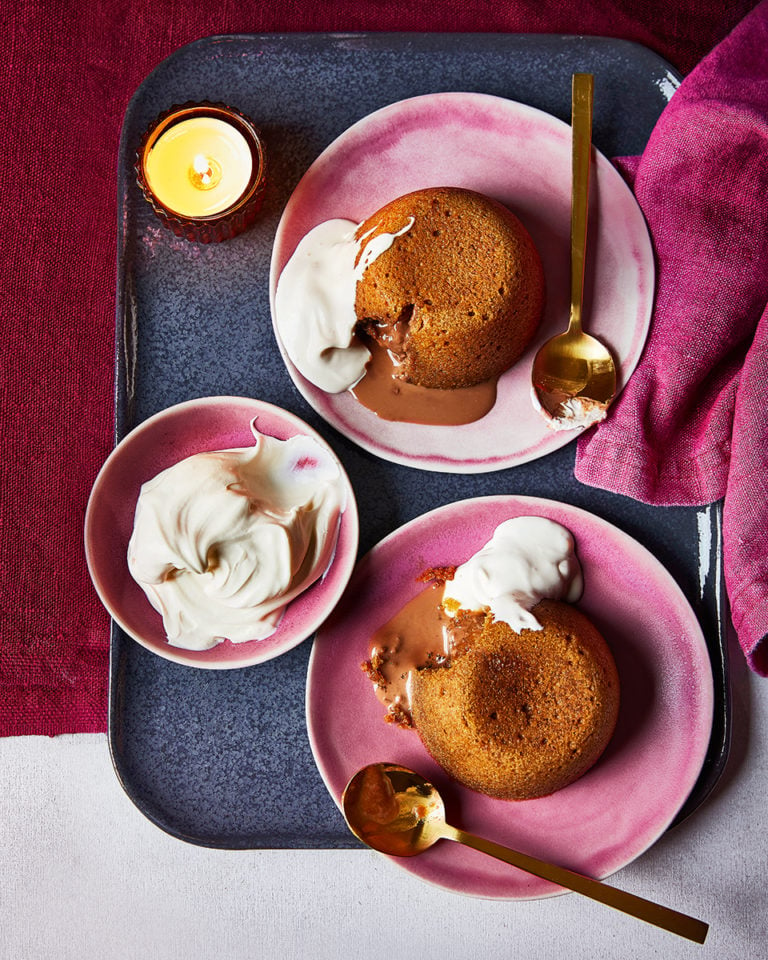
68, 72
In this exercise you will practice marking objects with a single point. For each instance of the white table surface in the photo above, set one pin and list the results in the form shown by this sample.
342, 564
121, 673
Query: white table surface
85, 875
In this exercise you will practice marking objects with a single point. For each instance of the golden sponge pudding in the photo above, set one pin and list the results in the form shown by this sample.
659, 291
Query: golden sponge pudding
459, 294
521, 715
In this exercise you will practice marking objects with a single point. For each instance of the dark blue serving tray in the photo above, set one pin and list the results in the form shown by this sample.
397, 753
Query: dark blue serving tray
212, 756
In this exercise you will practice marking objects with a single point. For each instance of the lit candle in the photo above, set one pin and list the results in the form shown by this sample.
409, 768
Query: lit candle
201, 166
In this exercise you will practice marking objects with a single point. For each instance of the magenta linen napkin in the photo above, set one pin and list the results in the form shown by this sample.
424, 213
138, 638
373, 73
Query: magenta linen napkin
691, 426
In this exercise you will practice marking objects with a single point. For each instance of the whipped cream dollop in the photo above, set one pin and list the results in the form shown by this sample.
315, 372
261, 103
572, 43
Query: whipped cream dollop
315, 302
224, 540
527, 559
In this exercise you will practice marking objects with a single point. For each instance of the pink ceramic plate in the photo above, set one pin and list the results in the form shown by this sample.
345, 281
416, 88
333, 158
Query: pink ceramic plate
517, 155
627, 800
215, 423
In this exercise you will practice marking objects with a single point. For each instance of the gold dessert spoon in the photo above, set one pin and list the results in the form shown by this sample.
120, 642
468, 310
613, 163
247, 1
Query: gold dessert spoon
574, 375
398, 812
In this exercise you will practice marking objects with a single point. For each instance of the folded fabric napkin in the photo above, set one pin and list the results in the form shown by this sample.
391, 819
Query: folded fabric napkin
691, 425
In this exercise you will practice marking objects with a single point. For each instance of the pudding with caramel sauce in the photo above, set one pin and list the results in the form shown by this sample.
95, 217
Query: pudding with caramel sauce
418, 310
513, 690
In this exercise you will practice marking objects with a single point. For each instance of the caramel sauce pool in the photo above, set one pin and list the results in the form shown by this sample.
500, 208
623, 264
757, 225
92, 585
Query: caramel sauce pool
390, 398
420, 634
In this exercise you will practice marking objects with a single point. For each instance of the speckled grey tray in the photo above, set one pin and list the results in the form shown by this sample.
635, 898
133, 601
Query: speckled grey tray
211, 756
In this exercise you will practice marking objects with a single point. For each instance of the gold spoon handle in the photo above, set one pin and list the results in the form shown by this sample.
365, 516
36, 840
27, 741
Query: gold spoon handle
679, 923
581, 133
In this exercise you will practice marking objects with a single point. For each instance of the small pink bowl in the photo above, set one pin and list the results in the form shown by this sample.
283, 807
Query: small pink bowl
211, 423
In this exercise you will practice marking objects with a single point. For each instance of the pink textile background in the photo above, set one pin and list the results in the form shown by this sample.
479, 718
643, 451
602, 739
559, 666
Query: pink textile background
68, 70
689, 427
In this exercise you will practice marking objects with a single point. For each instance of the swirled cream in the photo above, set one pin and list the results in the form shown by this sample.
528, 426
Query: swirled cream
224, 540
527, 559
315, 302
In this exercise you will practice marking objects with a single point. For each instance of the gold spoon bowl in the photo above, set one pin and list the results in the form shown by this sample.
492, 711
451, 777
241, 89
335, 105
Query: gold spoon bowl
396, 811
574, 374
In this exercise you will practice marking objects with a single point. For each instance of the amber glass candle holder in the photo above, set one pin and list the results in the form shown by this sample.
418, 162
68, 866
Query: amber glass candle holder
202, 167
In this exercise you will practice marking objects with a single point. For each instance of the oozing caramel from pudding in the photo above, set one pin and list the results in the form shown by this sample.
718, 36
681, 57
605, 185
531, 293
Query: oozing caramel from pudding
512, 690
443, 286
390, 397
420, 635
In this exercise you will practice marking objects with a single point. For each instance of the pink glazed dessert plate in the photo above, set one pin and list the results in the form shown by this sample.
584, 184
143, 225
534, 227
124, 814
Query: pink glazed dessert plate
211, 423
627, 800
517, 155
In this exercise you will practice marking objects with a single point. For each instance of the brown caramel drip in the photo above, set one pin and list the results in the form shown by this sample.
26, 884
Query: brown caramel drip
421, 635
391, 398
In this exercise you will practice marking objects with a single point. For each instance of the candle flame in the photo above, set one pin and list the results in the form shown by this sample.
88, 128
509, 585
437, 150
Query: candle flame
202, 167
